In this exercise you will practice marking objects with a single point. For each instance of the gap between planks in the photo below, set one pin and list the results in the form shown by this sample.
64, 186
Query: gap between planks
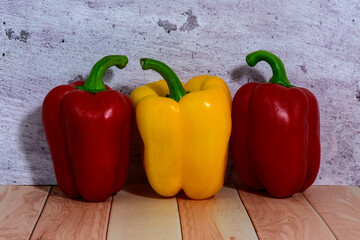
288, 218
328, 210
20, 208
41, 211
321, 212
145, 215
64, 218
339, 207
220, 217
142, 214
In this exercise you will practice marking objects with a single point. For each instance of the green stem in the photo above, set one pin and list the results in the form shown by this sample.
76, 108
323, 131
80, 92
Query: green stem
176, 89
95, 82
279, 73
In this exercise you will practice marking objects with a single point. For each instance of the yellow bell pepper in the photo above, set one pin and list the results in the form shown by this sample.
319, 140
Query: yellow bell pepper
185, 130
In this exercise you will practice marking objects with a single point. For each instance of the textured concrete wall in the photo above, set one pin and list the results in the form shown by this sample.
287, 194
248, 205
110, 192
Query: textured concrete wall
45, 43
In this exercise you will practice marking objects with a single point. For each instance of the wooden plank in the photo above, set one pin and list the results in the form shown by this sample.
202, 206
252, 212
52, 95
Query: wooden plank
339, 206
20, 208
220, 217
65, 218
139, 213
289, 218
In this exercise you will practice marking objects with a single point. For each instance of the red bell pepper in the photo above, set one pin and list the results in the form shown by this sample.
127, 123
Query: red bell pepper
276, 132
88, 127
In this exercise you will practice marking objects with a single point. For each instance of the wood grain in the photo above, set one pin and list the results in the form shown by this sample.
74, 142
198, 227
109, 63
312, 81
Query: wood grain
290, 218
20, 208
64, 218
220, 217
139, 213
339, 206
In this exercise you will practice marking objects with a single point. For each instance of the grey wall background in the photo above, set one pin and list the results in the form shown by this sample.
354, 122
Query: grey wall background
46, 43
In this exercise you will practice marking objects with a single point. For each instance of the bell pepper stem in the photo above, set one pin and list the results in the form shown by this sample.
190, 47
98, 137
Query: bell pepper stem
176, 89
95, 82
279, 73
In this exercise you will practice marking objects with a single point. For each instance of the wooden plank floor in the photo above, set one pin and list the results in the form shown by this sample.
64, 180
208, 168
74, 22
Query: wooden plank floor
136, 212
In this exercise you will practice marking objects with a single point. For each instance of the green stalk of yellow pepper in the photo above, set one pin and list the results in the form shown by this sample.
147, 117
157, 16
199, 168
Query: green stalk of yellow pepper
185, 130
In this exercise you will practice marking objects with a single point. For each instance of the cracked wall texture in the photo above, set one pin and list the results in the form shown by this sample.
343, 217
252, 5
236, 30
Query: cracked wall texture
44, 44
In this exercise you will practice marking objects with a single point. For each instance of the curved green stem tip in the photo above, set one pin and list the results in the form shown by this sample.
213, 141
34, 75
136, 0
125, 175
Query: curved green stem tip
176, 89
95, 82
279, 73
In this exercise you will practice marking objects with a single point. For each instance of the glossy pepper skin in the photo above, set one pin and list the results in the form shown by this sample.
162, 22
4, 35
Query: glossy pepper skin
186, 134
89, 129
276, 132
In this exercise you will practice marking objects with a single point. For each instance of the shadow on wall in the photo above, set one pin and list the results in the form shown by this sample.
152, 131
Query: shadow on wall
34, 147
244, 74
136, 173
